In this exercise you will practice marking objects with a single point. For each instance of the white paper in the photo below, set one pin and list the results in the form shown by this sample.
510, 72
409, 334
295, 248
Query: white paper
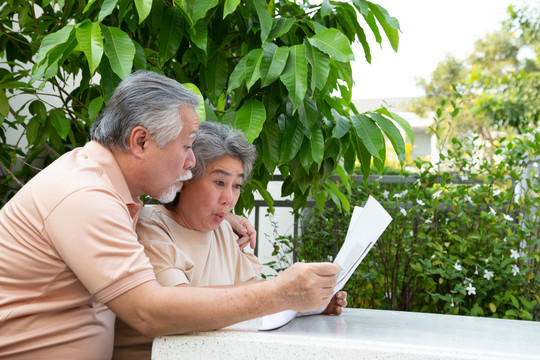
366, 226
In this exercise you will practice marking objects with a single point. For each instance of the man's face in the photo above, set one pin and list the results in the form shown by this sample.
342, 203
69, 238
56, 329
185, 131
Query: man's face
170, 164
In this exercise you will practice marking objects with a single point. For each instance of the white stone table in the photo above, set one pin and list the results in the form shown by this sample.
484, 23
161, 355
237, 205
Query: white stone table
362, 334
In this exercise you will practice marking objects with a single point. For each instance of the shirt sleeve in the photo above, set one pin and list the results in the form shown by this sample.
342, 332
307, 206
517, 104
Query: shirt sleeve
171, 265
92, 231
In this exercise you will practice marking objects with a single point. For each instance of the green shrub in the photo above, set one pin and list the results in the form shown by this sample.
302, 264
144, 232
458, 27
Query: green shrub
463, 240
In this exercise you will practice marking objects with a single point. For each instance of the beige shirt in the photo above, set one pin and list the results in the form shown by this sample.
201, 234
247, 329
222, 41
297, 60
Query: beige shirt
67, 246
184, 256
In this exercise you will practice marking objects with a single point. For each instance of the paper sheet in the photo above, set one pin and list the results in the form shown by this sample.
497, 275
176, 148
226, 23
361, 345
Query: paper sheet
366, 226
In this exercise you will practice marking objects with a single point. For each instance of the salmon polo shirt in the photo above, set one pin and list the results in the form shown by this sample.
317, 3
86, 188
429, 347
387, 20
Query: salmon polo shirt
68, 246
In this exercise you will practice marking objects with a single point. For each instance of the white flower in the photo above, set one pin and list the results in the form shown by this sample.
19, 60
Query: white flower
411, 233
457, 266
330, 258
492, 212
452, 304
403, 211
468, 198
508, 217
476, 270
471, 290
464, 177
437, 194
420, 202
397, 196
514, 254
515, 269
385, 194
496, 192
432, 256
428, 221
488, 274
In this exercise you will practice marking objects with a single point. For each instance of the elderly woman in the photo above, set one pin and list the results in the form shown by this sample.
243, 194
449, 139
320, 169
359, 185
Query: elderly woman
188, 241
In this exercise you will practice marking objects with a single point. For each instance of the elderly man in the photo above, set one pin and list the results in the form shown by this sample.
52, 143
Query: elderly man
69, 255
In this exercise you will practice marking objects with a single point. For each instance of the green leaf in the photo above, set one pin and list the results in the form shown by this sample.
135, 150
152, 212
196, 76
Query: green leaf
230, 7
95, 107
270, 144
143, 8
253, 64
32, 130
106, 9
389, 24
320, 66
199, 35
343, 125
88, 5
337, 196
201, 7
294, 77
139, 60
370, 19
109, 80
250, 119
327, 8
89, 39
369, 133
273, 62
4, 104
171, 33
393, 134
305, 155
281, 27
404, 124
265, 19
216, 76
52, 41
237, 76
333, 43
119, 49
60, 122
291, 141
200, 109
267, 197
364, 156
317, 144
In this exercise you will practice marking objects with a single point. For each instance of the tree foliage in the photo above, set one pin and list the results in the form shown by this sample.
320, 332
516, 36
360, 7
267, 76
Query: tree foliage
498, 84
279, 70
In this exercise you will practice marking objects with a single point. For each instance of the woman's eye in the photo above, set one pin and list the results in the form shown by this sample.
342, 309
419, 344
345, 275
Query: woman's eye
238, 187
220, 183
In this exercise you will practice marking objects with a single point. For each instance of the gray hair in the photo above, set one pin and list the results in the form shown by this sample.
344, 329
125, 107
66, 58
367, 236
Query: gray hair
216, 140
146, 99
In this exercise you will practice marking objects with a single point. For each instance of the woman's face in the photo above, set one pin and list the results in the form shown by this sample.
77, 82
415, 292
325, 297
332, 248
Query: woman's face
205, 202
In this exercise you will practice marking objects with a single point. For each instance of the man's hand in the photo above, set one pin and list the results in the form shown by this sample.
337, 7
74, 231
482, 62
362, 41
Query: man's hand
243, 228
338, 302
307, 286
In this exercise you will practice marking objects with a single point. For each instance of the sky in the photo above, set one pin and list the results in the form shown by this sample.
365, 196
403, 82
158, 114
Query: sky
429, 30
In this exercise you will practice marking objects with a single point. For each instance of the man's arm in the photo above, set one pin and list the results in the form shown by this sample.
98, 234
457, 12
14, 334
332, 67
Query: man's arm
155, 310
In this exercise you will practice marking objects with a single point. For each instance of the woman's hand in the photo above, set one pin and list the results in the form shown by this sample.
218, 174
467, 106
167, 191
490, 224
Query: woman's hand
336, 305
243, 228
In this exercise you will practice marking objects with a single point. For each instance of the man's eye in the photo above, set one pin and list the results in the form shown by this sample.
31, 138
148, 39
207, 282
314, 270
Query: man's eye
238, 187
220, 183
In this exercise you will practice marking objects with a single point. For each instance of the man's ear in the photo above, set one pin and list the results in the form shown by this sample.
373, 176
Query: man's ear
138, 140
